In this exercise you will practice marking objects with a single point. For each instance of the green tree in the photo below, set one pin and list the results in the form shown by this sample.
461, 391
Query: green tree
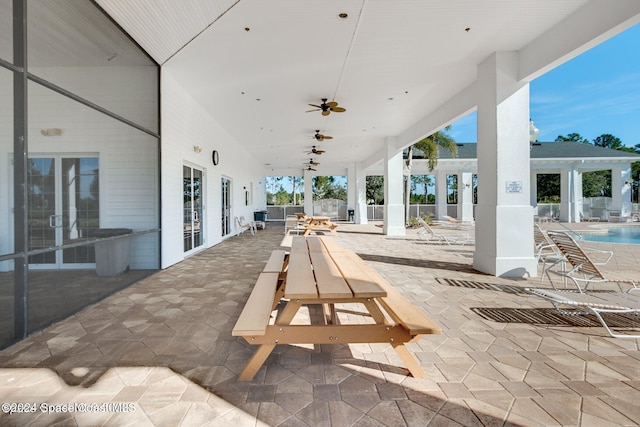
375, 190
608, 141
430, 147
572, 137
328, 187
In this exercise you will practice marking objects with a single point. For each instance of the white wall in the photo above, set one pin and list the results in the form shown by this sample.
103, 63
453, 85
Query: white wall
185, 124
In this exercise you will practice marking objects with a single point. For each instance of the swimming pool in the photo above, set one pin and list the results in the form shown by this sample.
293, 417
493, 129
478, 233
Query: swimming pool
626, 235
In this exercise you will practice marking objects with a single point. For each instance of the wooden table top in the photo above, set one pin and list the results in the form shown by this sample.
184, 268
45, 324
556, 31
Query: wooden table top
321, 269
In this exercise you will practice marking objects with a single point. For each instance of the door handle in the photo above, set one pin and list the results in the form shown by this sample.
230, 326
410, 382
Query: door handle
53, 221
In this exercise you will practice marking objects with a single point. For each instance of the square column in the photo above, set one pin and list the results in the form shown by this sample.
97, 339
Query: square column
465, 196
360, 191
620, 190
441, 194
504, 223
393, 190
570, 194
308, 192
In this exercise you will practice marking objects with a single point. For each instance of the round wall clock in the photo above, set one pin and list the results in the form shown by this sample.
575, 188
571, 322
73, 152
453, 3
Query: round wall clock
215, 157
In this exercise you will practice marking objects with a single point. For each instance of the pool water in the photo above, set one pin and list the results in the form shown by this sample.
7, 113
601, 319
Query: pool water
626, 235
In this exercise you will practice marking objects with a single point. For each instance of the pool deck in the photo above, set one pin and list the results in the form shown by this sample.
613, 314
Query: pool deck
162, 350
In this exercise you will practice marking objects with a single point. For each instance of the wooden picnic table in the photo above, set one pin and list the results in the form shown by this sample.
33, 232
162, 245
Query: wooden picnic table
314, 223
318, 271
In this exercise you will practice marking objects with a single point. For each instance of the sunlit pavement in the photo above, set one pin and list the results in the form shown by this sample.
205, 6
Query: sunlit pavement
161, 352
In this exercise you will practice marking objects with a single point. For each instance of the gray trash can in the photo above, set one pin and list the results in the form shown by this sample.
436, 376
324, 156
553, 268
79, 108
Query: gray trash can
112, 256
351, 214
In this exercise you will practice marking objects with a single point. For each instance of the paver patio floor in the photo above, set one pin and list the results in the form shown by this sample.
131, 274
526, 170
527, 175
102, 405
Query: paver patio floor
162, 350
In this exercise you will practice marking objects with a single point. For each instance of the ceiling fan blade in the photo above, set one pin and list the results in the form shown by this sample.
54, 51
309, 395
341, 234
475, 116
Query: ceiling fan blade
332, 104
319, 152
317, 106
326, 113
338, 110
310, 111
326, 137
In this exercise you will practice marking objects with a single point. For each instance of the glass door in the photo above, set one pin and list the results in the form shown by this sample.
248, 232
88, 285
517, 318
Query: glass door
226, 206
63, 208
192, 183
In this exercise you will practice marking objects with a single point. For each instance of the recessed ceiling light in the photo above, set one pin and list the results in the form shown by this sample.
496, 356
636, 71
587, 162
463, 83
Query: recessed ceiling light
391, 99
343, 15
258, 99
247, 29
467, 29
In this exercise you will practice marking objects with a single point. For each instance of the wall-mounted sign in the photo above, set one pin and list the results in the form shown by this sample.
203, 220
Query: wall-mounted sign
514, 186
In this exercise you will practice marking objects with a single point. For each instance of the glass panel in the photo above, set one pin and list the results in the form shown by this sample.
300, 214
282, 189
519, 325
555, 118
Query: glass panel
106, 174
186, 210
75, 46
42, 216
6, 303
6, 30
6, 158
80, 207
197, 207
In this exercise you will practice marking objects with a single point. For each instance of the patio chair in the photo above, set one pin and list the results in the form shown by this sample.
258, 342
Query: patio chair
583, 269
242, 225
429, 235
578, 303
545, 250
588, 218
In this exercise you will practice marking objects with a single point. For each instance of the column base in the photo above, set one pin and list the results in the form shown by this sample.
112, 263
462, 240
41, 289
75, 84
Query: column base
394, 220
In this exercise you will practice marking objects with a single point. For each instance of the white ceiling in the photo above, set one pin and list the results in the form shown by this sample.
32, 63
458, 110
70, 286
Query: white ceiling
391, 64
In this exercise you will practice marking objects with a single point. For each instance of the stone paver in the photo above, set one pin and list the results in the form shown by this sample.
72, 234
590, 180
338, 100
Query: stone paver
161, 352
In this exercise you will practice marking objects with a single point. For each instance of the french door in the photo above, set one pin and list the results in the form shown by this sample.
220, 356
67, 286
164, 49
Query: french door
192, 186
63, 208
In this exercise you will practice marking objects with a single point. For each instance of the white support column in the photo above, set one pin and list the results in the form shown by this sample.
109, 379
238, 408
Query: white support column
361, 195
570, 194
393, 190
441, 194
620, 190
504, 223
308, 192
352, 197
465, 196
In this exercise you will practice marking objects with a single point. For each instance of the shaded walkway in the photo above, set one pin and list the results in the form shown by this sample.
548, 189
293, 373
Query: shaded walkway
165, 345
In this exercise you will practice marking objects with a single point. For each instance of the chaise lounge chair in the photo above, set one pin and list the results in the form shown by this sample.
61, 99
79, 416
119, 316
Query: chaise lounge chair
583, 269
428, 234
602, 302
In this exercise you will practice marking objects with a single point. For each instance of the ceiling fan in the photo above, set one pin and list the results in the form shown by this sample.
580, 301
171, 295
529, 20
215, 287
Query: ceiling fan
327, 107
309, 168
320, 137
315, 151
311, 163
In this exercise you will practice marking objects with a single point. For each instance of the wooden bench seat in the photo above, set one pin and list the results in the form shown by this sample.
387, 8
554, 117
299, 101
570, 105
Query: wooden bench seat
255, 316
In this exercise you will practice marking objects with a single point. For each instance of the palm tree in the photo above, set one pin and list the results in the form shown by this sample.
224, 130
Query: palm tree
429, 146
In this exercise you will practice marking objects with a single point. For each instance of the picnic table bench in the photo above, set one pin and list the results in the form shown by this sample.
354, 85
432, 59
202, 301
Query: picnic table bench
319, 271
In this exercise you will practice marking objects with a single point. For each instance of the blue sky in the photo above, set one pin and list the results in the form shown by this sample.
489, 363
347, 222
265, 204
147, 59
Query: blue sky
595, 93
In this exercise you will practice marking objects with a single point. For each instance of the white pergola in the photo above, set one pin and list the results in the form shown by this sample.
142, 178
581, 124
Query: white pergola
402, 69
567, 159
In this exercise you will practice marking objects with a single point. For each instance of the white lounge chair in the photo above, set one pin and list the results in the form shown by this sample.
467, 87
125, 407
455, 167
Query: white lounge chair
546, 250
596, 303
584, 218
242, 225
428, 234
583, 269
